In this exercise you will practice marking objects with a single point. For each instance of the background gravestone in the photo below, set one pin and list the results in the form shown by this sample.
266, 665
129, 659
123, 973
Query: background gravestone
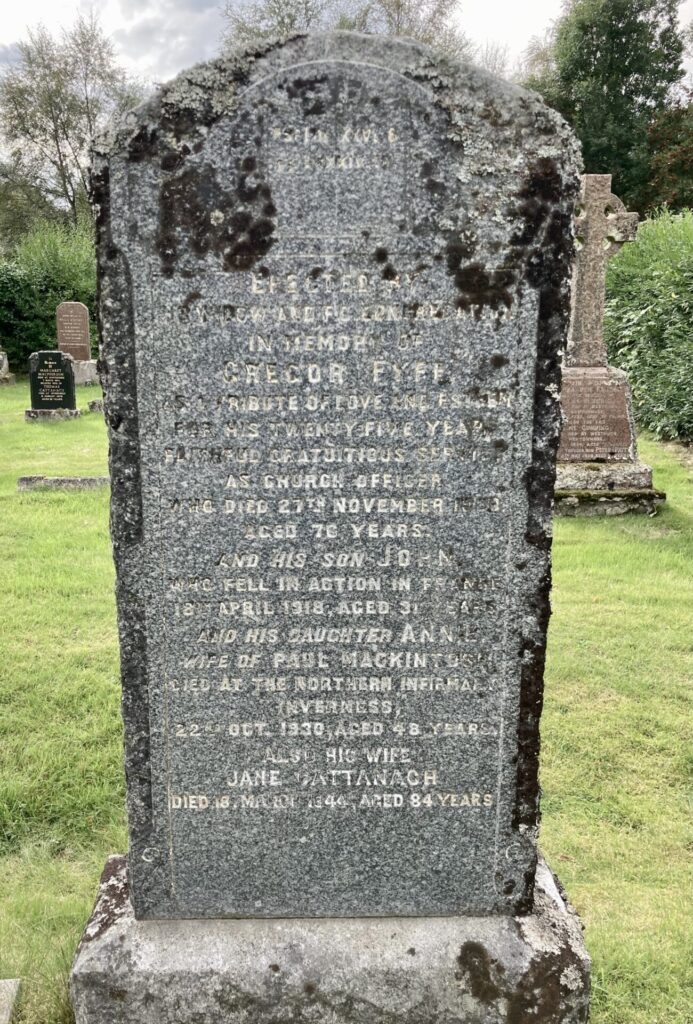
335, 295
598, 468
52, 384
72, 323
5, 376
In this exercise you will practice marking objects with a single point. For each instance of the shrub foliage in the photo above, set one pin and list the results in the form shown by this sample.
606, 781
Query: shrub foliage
649, 322
53, 263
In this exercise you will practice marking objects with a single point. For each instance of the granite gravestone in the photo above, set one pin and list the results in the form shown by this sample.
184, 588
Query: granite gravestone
5, 376
72, 323
52, 384
598, 470
334, 294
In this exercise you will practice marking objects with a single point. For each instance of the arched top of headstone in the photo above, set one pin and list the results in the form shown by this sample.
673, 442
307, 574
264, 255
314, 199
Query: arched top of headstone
500, 159
189, 105
72, 326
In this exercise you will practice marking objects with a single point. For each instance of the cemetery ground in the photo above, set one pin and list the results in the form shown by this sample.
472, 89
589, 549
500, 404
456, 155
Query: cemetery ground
615, 729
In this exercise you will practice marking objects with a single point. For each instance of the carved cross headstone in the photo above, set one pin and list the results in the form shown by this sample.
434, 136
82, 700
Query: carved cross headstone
602, 226
598, 469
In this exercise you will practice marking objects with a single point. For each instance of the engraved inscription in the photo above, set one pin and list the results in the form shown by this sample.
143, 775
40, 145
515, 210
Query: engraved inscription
72, 322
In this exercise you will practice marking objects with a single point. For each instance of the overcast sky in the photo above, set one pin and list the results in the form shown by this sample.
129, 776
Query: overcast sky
157, 38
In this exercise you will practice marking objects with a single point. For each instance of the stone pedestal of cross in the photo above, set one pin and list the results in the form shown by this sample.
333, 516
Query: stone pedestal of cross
598, 469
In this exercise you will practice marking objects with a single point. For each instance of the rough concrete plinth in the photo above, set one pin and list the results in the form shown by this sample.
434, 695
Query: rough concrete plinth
461, 970
44, 415
607, 503
62, 483
603, 476
10, 378
9, 994
605, 489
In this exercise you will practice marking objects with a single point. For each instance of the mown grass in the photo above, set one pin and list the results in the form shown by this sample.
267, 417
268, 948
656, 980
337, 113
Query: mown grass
616, 758
61, 786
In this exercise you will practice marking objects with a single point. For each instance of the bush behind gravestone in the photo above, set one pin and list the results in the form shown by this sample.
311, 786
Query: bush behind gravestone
649, 322
53, 263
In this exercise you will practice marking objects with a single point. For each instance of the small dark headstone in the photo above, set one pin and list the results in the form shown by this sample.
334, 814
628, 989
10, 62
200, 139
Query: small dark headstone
52, 381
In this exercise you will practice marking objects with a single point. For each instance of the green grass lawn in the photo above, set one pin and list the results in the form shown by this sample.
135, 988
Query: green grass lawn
616, 755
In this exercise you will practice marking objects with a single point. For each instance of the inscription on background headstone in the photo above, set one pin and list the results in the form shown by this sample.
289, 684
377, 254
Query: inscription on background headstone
52, 381
332, 474
598, 419
72, 322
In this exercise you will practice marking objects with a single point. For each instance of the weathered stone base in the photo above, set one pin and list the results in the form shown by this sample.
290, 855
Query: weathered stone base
85, 371
9, 994
461, 970
607, 503
9, 379
603, 476
96, 405
62, 483
44, 415
605, 489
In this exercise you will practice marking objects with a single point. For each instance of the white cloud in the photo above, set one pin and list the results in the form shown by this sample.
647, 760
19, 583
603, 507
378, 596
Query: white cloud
158, 38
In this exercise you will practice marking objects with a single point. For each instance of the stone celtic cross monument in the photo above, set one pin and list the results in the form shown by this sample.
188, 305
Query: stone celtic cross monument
334, 294
598, 470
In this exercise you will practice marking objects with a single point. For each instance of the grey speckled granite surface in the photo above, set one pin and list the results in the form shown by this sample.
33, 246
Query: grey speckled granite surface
333, 299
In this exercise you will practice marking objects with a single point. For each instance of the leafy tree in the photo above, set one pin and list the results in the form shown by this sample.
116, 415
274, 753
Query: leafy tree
647, 325
611, 67
53, 101
670, 140
249, 24
22, 206
430, 21
53, 262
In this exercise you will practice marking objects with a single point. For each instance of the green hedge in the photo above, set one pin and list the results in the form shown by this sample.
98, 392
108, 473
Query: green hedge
649, 322
53, 263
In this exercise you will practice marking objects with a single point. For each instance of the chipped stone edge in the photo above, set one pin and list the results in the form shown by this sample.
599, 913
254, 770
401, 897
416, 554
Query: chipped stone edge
590, 504
62, 483
9, 999
36, 415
